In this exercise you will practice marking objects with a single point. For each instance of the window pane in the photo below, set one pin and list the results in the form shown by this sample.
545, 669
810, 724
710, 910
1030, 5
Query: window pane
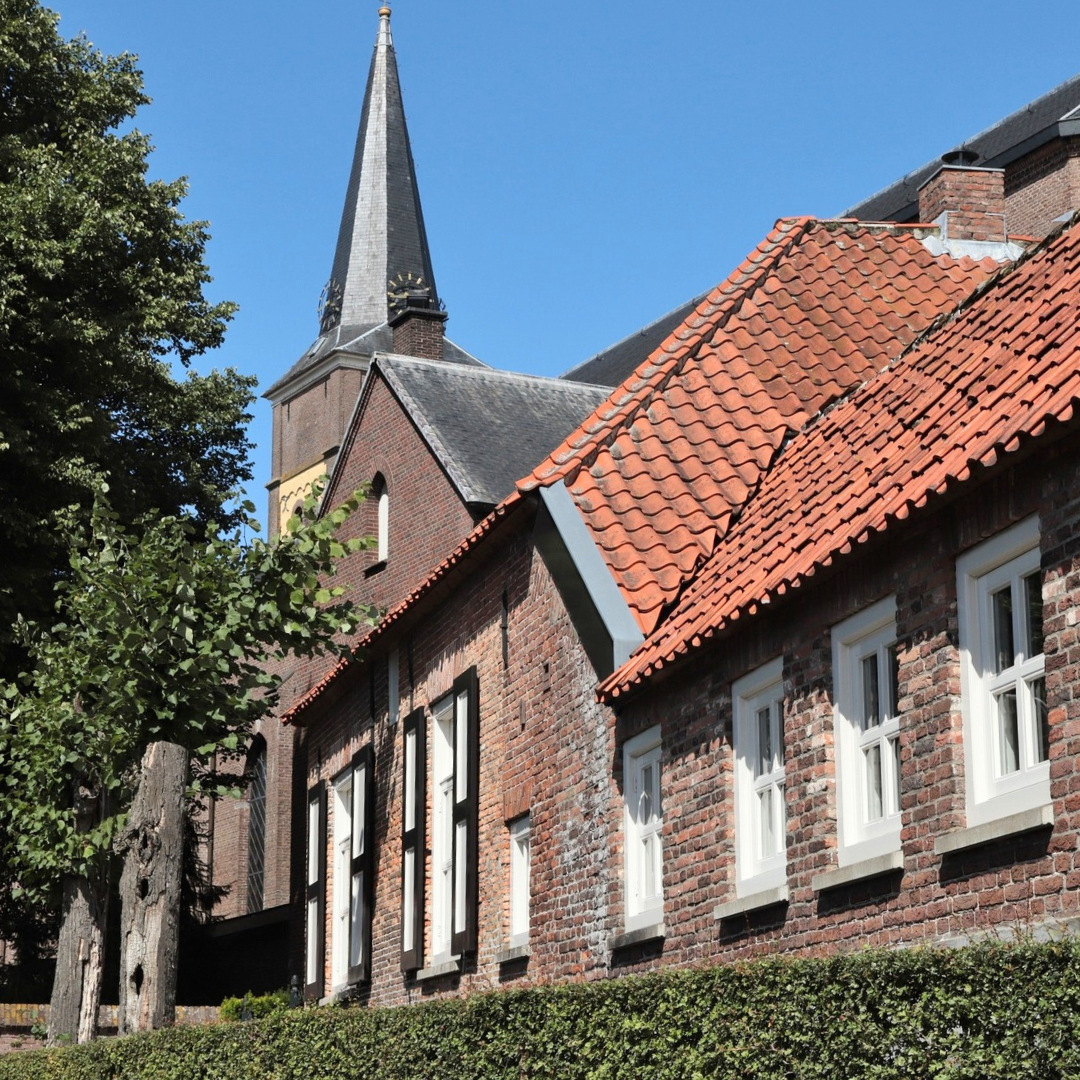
410, 781
645, 802
1008, 731
313, 842
765, 746
460, 836
873, 782
1004, 650
778, 733
1033, 592
894, 794
648, 867
894, 680
871, 713
312, 939
1042, 723
358, 797
765, 810
356, 924
407, 901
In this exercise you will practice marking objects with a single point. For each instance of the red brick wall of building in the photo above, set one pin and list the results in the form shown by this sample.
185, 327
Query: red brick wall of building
547, 745
1042, 186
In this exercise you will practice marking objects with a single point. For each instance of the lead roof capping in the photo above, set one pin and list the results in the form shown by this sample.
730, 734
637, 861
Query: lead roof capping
1056, 113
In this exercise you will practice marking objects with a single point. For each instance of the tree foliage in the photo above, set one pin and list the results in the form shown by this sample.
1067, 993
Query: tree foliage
165, 634
101, 285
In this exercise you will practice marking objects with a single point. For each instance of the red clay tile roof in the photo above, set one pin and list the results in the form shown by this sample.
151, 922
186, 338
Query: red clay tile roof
660, 468
974, 389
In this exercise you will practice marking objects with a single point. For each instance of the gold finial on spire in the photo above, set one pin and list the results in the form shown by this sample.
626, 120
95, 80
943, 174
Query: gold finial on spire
384, 11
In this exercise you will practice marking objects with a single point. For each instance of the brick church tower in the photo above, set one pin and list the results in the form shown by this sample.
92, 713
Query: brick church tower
381, 295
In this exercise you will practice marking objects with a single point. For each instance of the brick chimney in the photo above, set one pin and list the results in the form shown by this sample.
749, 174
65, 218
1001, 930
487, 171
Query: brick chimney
419, 332
417, 319
967, 202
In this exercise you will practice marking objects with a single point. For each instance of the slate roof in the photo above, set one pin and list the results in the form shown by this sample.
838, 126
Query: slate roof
981, 386
661, 468
1053, 114
485, 427
362, 342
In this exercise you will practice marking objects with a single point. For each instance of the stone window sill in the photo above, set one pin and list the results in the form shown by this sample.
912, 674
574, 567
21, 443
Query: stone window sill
512, 953
888, 863
1027, 821
656, 932
448, 967
753, 902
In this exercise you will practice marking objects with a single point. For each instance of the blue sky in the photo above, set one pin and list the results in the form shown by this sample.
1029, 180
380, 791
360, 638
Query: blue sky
583, 167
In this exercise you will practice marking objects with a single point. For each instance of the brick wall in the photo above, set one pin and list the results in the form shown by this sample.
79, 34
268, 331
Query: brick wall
1042, 186
420, 333
546, 745
308, 425
971, 200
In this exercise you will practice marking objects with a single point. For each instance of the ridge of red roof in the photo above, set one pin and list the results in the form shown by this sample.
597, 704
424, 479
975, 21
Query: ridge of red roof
975, 384
660, 469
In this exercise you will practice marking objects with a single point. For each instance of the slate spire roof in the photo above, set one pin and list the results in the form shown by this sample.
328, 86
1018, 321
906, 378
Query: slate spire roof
382, 226
382, 243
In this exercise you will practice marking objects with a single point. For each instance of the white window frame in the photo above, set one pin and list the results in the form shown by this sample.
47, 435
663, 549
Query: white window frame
342, 882
980, 572
756, 872
869, 635
643, 840
442, 829
520, 832
312, 959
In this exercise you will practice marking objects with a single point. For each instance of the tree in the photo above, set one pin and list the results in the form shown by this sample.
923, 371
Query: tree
166, 636
101, 284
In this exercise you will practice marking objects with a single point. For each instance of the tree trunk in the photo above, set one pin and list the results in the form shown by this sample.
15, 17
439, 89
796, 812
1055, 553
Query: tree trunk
80, 954
152, 845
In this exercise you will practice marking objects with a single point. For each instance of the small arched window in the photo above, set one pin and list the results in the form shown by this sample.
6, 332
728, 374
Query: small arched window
383, 533
256, 795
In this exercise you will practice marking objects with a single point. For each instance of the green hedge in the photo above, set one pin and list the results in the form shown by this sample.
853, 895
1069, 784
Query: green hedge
982, 1012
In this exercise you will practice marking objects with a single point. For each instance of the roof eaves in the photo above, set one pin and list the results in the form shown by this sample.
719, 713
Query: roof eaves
497, 523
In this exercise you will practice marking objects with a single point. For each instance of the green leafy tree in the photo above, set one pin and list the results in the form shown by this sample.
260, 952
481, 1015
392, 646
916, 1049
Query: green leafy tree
101, 287
166, 635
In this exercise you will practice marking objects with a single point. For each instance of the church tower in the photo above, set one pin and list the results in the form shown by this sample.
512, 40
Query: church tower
381, 295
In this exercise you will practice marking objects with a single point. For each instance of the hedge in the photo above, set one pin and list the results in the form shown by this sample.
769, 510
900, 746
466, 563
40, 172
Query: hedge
981, 1012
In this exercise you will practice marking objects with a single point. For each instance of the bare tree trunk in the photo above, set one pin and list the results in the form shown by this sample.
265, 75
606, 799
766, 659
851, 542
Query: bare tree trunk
80, 957
153, 848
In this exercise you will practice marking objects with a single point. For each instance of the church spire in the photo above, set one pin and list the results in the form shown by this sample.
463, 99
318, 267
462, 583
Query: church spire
381, 243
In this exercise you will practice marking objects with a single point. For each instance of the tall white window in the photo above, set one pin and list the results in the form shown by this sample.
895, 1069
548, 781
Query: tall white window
867, 733
442, 830
383, 535
520, 867
760, 817
644, 821
342, 898
1003, 685
312, 961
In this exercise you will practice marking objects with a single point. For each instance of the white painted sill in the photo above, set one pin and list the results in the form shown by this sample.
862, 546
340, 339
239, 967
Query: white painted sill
447, 967
656, 932
1026, 821
754, 902
888, 863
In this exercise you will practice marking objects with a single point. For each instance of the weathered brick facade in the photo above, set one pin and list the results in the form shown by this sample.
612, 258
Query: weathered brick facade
548, 747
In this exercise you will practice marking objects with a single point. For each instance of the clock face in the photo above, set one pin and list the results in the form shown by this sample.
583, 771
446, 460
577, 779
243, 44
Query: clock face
330, 306
407, 289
